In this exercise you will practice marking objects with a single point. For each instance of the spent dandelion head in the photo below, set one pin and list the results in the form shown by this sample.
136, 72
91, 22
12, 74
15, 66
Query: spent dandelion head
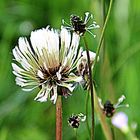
74, 120
82, 67
80, 26
109, 108
48, 62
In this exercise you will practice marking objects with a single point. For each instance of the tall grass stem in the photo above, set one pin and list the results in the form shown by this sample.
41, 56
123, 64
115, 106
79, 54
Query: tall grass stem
102, 34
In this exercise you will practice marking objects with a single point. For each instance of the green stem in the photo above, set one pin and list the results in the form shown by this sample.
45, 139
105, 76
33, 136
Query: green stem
87, 123
75, 131
104, 16
102, 34
104, 11
90, 73
112, 130
59, 118
91, 89
106, 129
130, 135
102, 118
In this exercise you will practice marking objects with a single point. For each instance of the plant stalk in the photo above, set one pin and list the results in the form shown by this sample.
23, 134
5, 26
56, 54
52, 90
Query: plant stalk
102, 35
90, 76
87, 123
106, 129
102, 118
75, 131
59, 118
91, 89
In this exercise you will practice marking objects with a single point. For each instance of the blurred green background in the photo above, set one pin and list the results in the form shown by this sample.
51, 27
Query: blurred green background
117, 73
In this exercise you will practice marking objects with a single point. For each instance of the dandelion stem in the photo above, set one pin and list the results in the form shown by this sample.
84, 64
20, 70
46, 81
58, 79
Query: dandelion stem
59, 118
91, 89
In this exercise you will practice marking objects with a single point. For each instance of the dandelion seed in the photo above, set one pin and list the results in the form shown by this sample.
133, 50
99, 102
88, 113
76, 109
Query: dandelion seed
48, 62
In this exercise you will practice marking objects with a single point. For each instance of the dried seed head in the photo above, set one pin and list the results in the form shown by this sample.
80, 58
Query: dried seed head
74, 120
108, 109
79, 25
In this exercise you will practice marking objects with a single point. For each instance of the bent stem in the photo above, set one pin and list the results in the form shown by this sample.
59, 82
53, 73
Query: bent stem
59, 118
98, 110
105, 127
102, 118
91, 89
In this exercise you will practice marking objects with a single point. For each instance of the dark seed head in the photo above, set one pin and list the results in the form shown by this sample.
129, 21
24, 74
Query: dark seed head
74, 121
78, 24
108, 109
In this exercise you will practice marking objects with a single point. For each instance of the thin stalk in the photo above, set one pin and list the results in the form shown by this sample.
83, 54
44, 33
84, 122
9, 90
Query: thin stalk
75, 131
91, 89
104, 16
87, 123
104, 11
112, 130
90, 73
102, 118
106, 129
102, 34
59, 118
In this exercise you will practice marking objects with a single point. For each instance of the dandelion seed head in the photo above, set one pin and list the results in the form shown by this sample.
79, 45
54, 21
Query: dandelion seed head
47, 63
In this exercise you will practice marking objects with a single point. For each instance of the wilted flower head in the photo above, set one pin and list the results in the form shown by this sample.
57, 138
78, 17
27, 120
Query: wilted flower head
48, 62
82, 67
109, 108
79, 25
74, 120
